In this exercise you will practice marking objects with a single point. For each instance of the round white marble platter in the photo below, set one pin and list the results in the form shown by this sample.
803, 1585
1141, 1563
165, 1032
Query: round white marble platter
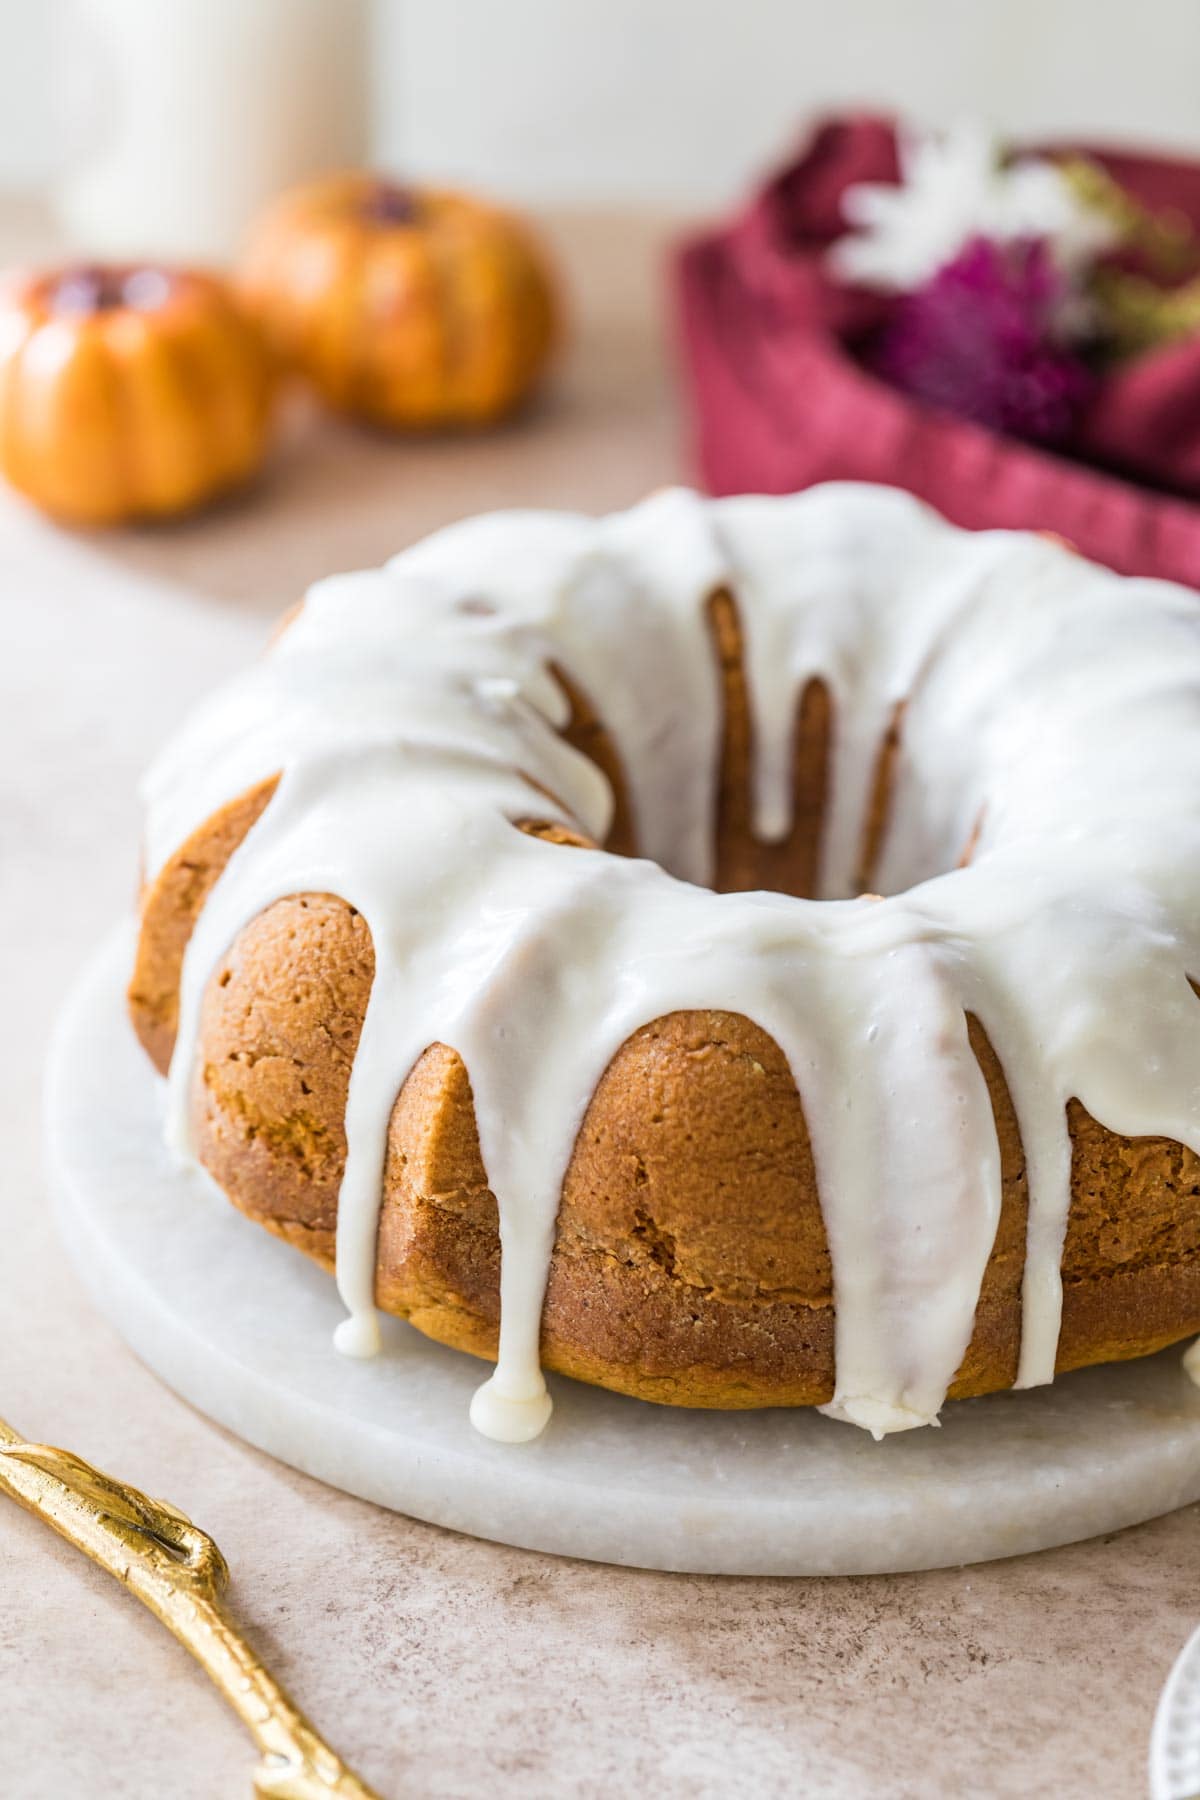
1175, 1739
242, 1326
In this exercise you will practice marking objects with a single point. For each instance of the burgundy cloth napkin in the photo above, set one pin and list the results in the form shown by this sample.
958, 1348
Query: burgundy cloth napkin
781, 401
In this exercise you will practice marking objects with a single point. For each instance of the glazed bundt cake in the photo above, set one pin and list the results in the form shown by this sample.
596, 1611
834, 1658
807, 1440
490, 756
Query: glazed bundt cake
737, 953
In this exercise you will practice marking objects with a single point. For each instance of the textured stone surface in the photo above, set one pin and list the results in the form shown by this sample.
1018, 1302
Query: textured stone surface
445, 1667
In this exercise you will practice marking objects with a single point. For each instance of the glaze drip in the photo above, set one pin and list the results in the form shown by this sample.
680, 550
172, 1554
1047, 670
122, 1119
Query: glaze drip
415, 715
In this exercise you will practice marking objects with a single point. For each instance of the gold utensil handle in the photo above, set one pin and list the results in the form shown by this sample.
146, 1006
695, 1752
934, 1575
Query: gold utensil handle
176, 1570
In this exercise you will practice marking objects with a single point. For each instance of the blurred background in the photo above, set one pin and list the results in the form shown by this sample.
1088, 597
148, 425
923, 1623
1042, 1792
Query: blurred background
678, 103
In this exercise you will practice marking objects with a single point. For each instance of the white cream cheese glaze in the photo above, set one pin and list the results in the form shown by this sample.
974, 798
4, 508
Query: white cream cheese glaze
1050, 708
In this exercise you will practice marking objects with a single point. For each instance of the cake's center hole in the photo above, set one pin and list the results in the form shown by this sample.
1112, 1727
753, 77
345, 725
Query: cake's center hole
895, 850
97, 288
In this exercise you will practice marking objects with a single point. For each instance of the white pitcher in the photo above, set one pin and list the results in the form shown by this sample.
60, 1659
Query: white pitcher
187, 116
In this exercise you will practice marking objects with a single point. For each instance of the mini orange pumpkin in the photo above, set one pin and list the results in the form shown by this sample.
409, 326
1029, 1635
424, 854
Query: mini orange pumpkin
128, 392
409, 307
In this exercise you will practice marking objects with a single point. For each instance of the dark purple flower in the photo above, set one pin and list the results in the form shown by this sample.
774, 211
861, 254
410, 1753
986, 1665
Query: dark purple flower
984, 338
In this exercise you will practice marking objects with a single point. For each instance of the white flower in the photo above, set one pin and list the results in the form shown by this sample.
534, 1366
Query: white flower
955, 186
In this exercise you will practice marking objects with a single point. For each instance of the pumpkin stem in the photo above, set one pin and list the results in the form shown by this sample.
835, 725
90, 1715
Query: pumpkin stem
387, 203
94, 288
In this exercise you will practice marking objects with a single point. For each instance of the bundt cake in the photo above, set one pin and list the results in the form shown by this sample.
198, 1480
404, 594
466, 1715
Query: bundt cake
737, 953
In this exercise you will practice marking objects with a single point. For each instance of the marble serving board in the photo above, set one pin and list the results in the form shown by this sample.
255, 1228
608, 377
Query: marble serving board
1175, 1739
242, 1327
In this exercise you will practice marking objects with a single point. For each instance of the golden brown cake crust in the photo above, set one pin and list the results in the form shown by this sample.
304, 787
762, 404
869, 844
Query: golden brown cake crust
691, 1264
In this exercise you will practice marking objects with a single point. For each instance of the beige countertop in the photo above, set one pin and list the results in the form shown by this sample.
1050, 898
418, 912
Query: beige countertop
444, 1666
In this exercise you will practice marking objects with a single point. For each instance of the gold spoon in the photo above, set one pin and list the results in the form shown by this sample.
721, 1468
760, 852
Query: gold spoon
176, 1570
